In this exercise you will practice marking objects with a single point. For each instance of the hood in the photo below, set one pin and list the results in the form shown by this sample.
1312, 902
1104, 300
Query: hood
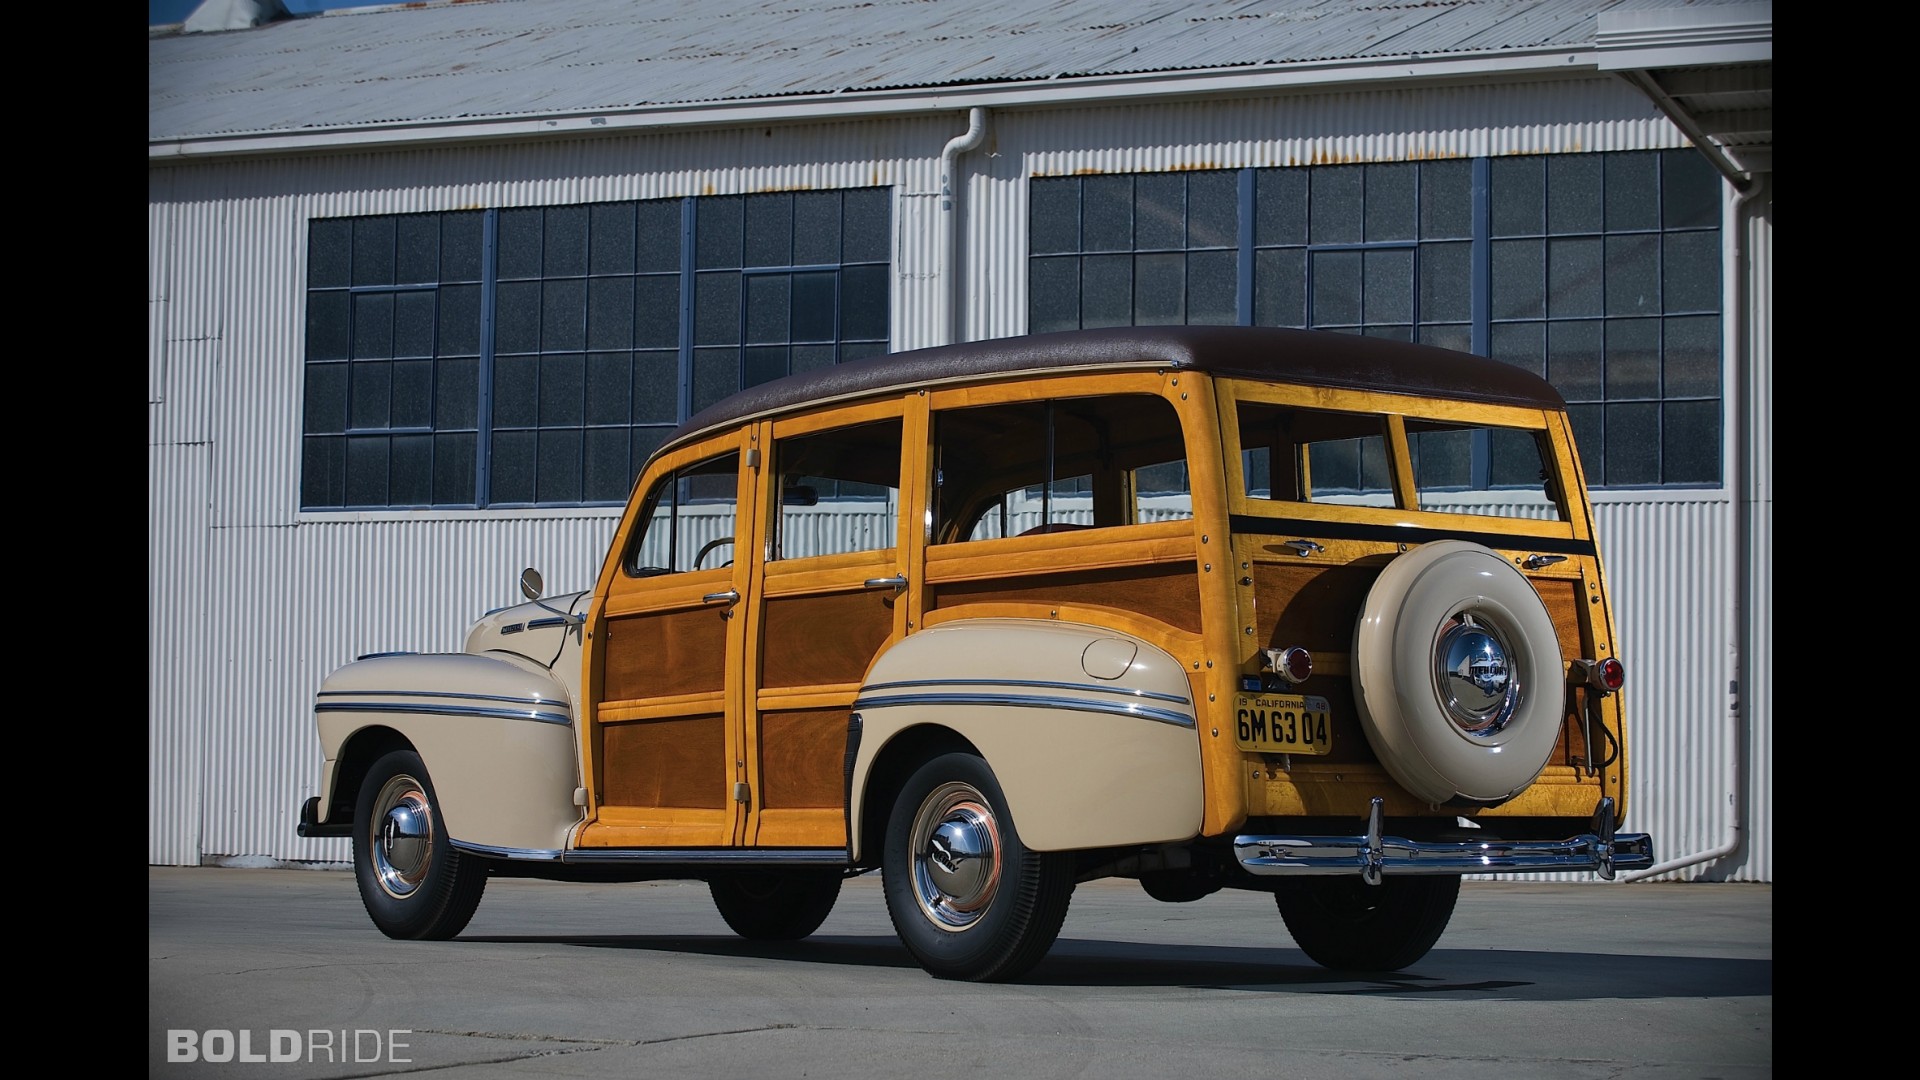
538, 630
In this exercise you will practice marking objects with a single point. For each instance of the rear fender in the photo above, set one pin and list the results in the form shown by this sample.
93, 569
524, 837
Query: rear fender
1090, 732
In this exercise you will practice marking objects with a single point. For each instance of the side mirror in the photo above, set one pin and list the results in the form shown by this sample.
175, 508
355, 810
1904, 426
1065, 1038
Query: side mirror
531, 584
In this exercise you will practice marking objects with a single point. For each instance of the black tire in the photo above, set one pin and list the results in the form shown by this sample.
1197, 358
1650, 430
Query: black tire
992, 913
415, 885
1345, 924
775, 906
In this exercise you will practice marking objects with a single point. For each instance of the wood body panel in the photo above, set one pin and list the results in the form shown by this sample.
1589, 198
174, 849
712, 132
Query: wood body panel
1165, 593
666, 762
666, 655
823, 638
803, 759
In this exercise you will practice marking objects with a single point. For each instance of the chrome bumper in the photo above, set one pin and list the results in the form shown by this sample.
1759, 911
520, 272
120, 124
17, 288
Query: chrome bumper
1602, 851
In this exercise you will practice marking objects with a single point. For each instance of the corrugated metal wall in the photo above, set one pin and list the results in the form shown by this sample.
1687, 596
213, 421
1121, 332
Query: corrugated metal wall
251, 604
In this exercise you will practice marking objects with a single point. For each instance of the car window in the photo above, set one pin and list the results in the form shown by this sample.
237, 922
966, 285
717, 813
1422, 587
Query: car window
839, 491
1479, 469
688, 520
1058, 465
1291, 454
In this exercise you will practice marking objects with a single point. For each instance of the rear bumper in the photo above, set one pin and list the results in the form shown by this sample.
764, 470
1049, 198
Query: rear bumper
1372, 855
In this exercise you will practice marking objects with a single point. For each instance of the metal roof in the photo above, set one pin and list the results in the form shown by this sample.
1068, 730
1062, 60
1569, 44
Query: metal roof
465, 61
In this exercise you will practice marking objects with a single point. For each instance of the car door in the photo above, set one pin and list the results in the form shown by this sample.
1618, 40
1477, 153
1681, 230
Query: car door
664, 675
834, 589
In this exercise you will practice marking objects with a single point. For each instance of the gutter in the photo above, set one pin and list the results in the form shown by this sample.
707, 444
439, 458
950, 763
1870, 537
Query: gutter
843, 105
1734, 768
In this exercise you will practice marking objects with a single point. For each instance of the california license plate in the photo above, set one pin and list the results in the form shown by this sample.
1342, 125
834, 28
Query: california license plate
1282, 723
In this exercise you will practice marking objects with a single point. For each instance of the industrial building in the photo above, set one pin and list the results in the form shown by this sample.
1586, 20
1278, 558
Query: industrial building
426, 283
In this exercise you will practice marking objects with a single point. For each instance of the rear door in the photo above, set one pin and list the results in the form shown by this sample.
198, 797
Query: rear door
834, 589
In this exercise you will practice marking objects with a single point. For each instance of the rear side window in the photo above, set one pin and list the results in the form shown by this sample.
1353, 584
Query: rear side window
1479, 469
1058, 465
1308, 455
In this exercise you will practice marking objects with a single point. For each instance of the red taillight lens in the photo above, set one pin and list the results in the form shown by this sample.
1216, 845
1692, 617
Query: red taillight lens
1293, 663
1605, 676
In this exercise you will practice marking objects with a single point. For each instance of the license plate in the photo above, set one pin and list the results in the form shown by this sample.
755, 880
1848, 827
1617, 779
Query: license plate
1282, 723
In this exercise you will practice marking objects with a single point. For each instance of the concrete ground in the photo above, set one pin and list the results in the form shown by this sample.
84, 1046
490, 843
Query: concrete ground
1648, 981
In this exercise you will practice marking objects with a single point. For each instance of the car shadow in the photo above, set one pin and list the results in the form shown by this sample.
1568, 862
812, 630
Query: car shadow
1508, 975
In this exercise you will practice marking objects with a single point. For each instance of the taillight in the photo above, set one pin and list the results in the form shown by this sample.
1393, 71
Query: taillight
1605, 675
1293, 664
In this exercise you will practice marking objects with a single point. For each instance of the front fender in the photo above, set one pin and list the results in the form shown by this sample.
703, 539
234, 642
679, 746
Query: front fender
497, 738
1090, 732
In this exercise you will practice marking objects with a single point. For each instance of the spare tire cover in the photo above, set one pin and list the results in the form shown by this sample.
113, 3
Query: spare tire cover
1457, 674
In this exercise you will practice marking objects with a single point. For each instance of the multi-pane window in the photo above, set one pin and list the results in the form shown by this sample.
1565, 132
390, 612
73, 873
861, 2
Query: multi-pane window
1599, 271
1133, 250
536, 356
1605, 278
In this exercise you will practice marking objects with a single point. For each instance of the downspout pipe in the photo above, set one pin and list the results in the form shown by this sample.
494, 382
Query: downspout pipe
949, 295
1746, 505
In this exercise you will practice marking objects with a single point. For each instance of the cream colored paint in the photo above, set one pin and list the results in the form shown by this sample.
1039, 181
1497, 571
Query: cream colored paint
500, 782
1073, 779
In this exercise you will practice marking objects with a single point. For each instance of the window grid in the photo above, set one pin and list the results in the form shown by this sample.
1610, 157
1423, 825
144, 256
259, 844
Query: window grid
1600, 272
536, 356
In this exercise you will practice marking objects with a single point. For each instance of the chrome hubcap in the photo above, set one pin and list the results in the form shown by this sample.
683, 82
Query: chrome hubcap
402, 836
1474, 675
956, 856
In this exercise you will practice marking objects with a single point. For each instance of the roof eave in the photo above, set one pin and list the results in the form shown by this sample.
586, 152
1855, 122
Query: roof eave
844, 105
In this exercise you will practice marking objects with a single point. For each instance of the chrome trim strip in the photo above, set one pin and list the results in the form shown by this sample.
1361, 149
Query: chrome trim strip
1164, 716
542, 624
512, 699
516, 854
448, 710
1091, 689
721, 856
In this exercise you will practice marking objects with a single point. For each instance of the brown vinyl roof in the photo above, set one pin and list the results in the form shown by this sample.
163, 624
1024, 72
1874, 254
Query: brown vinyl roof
1274, 354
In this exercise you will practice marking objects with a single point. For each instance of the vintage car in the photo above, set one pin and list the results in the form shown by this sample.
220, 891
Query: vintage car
1305, 613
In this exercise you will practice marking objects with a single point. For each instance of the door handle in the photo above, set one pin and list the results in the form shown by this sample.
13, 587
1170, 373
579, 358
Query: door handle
898, 582
1302, 548
731, 596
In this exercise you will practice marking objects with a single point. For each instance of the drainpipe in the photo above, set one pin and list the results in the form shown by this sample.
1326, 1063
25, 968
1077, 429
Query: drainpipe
1745, 506
949, 317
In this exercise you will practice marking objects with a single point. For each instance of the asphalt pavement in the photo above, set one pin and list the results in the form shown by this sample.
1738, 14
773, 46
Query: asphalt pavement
278, 973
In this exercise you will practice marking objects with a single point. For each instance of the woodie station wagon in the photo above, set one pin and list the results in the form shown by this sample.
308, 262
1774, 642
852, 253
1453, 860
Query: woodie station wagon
1211, 608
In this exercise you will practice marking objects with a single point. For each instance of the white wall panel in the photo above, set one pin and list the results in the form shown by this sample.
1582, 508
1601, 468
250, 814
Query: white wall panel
182, 636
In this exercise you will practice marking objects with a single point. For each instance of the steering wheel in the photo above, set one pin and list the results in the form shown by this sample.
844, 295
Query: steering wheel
707, 549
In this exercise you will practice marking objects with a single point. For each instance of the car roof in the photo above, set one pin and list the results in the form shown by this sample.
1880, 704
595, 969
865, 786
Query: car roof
1265, 353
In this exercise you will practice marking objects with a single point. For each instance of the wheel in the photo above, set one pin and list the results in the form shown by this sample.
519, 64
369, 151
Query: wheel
775, 906
708, 548
967, 898
413, 882
1346, 924
1458, 675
